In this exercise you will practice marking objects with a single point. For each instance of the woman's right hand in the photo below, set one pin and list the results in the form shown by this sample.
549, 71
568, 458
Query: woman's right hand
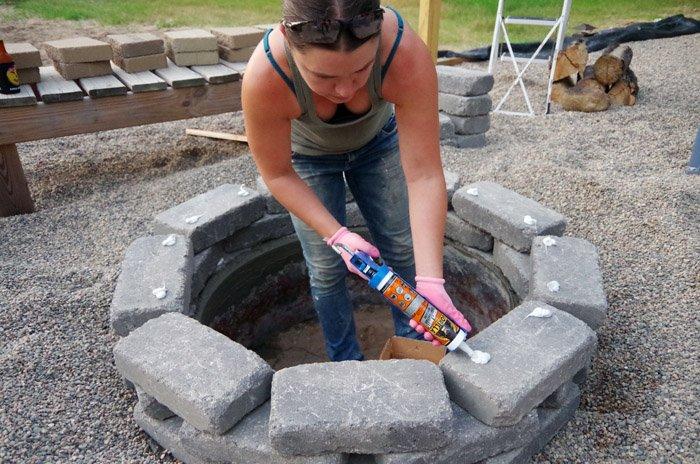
354, 242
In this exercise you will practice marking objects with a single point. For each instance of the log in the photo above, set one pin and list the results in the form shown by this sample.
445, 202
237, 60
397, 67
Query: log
571, 61
560, 87
612, 64
587, 100
588, 80
624, 91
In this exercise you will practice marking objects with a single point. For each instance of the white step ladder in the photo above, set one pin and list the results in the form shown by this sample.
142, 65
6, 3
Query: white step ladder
556, 24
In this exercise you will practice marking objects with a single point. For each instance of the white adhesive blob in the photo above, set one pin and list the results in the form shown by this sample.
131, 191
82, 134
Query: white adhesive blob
540, 312
160, 292
193, 219
553, 286
170, 240
480, 357
243, 192
473, 191
529, 220
548, 241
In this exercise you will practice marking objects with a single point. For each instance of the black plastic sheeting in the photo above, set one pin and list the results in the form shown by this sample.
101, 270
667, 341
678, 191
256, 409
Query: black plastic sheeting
672, 26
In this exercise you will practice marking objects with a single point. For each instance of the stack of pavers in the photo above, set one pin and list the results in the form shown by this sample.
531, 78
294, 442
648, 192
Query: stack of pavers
27, 61
237, 44
80, 57
138, 52
464, 105
191, 47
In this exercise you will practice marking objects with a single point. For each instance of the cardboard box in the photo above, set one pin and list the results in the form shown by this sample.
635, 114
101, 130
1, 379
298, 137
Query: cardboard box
408, 348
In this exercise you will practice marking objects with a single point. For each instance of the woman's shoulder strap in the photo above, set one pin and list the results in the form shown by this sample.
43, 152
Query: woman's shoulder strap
273, 62
394, 47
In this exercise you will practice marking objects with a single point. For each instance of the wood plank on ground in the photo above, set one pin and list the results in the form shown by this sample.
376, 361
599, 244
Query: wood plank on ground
53, 88
144, 81
102, 86
178, 76
25, 97
217, 73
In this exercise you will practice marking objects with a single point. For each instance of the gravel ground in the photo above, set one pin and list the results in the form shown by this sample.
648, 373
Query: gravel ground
617, 175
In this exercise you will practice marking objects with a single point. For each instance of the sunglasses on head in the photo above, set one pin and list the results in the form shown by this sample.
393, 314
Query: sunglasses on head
327, 31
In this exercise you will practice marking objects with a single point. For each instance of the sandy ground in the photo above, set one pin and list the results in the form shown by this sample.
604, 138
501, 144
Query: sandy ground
617, 175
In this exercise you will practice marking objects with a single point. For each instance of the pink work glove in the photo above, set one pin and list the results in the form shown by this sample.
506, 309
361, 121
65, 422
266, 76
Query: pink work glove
433, 289
354, 242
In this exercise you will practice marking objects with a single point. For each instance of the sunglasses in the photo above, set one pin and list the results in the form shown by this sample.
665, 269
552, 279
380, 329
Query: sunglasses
328, 30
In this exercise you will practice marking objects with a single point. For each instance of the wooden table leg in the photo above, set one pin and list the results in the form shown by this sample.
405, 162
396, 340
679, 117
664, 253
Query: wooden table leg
14, 191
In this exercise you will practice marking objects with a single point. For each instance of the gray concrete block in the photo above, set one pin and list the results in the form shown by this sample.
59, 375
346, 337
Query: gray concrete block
359, 407
190, 40
136, 44
506, 214
515, 266
471, 441
456, 105
29, 75
78, 50
25, 55
247, 442
530, 358
268, 227
457, 80
561, 396
151, 407
472, 124
573, 263
141, 63
238, 37
466, 234
273, 206
447, 127
466, 141
212, 216
205, 264
203, 58
73, 71
236, 54
581, 376
452, 183
361, 459
148, 265
199, 374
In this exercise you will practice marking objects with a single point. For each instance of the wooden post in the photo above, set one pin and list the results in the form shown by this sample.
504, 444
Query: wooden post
429, 24
14, 191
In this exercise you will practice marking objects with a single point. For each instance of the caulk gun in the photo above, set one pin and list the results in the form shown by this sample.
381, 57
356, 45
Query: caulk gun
403, 296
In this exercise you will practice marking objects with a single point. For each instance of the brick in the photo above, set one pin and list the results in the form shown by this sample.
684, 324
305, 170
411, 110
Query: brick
136, 44
467, 141
457, 80
273, 206
151, 407
73, 71
236, 54
269, 227
78, 50
452, 183
471, 441
247, 442
25, 55
29, 75
222, 211
194, 58
359, 407
201, 375
573, 262
149, 265
535, 355
501, 212
238, 37
466, 234
447, 127
190, 40
515, 266
471, 124
455, 105
141, 63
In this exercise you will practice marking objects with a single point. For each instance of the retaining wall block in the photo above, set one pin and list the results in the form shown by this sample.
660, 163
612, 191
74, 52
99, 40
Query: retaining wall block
212, 216
471, 124
452, 183
447, 127
466, 234
530, 358
371, 407
456, 105
151, 407
506, 215
457, 80
561, 396
205, 264
515, 266
148, 265
268, 227
573, 264
198, 373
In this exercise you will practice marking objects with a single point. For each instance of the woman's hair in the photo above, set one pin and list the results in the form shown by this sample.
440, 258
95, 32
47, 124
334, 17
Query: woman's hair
319, 10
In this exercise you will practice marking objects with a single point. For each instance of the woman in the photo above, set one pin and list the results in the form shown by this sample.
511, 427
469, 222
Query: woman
324, 82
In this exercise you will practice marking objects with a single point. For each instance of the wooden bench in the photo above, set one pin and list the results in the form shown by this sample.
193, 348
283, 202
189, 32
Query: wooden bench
56, 107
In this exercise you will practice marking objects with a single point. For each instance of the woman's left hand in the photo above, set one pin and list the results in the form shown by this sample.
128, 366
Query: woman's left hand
433, 289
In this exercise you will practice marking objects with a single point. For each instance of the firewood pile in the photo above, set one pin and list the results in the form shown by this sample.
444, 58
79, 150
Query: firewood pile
607, 82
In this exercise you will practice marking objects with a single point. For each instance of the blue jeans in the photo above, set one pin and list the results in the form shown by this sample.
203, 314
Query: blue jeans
376, 180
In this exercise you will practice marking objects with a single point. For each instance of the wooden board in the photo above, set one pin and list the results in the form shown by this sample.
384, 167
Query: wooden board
178, 76
429, 24
217, 73
25, 97
144, 81
14, 192
53, 88
102, 86
238, 66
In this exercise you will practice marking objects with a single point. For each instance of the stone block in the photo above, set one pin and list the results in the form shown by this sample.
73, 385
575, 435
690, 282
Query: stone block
359, 407
151, 407
238, 37
447, 127
470, 441
194, 58
530, 358
466, 234
29, 75
273, 206
205, 264
361, 459
236, 54
510, 217
452, 183
268, 227
247, 442
456, 80
573, 263
201, 375
136, 44
78, 50
561, 396
73, 71
456, 105
190, 40
471, 124
467, 141
515, 266
212, 216
141, 63
25, 55
149, 266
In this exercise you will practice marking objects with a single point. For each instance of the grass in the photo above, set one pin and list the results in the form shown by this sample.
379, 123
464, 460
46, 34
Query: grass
464, 23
